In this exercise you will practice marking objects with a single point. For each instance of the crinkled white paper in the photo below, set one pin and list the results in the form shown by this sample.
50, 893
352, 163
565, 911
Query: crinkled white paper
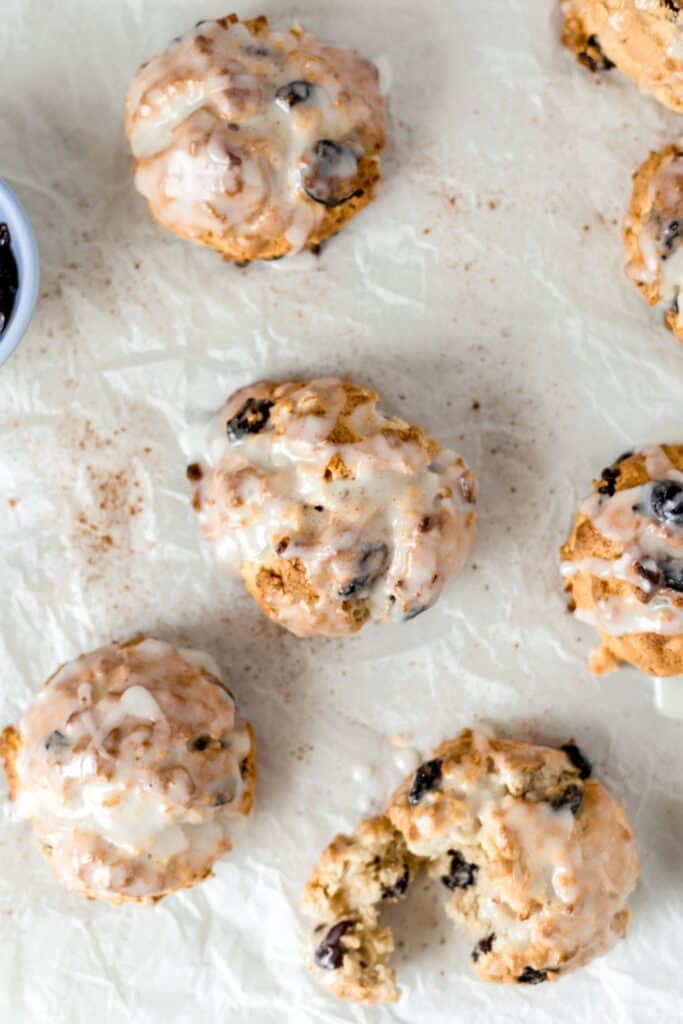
483, 294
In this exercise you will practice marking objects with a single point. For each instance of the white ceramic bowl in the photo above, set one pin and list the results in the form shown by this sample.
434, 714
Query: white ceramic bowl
25, 249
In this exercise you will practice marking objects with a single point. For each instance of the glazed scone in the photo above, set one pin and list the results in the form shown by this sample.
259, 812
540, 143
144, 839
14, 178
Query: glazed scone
348, 951
642, 38
332, 512
652, 233
254, 142
623, 563
132, 768
535, 856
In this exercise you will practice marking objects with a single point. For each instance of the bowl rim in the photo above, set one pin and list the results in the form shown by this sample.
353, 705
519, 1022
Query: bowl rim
25, 245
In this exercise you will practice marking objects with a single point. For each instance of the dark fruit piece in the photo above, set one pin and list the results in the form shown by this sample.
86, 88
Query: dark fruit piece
484, 946
671, 237
623, 457
666, 502
293, 93
330, 953
56, 741
331, 178
200, 743
194, 472
578, 759
672, 574
427, 778
251, 419
594, 57
530, 976
570, 797
371, 566
672, 5
649, 571
610, 477
461, 875
393, 892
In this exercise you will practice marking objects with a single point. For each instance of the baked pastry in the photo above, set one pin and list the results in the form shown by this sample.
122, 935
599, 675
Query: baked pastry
348, 951
642, 38
254, 142
132, 768
332, 512
535, 856
652, 233
623, 563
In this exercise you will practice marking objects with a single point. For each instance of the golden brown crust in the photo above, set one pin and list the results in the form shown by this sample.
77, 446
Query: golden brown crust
652, 653
10, 743
249, 773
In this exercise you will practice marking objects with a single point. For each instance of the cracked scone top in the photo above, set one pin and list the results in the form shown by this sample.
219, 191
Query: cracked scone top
536, 860
255, 142
652, 233
623, 563
332, 512
642, 38
132, 768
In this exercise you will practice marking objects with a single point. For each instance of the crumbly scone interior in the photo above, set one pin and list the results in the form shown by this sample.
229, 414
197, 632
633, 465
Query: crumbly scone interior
348, 949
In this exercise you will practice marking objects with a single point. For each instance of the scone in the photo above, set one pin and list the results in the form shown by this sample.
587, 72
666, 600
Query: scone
132, 768
254, 142
536, 860
348, 951
652, 233
333, 513
623, 563
642, 38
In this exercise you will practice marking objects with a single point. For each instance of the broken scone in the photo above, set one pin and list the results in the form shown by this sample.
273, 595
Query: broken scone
254, 142
132, 769
332, 512
535, 857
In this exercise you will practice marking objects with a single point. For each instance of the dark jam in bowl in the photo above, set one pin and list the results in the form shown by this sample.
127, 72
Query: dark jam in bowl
9, 280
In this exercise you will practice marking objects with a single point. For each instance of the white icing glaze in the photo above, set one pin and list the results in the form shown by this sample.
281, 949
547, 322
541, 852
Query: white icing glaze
110, 779
400, 517
626, 519
539, 874
218, 151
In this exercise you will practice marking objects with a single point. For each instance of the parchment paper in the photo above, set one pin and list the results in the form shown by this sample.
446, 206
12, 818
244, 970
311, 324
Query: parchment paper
483, 294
